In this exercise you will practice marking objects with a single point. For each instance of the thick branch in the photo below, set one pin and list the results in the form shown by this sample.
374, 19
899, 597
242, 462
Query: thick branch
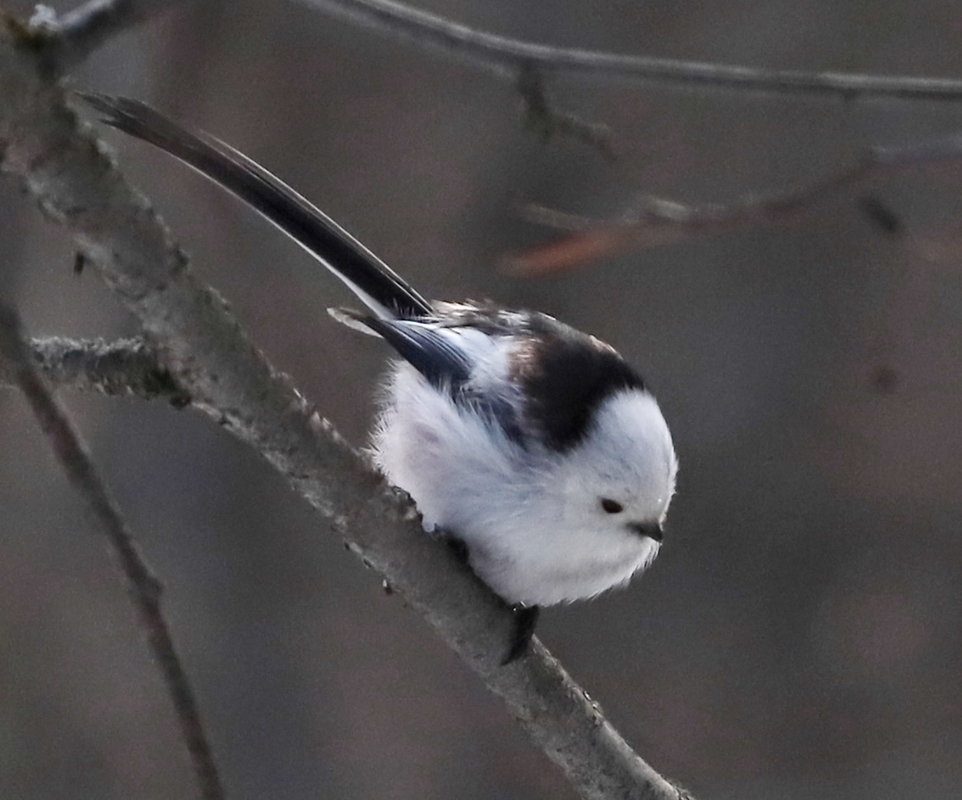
507, 56
210, 357
122, 367
656, 222
144, 588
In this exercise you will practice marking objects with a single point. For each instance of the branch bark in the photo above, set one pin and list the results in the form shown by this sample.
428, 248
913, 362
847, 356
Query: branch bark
126, 367
506, 56
210, 358
144, 588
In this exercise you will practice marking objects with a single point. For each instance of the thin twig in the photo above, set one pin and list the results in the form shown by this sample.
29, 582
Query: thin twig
507, 56
544, 118
144, 588
124, 367
655, 222
210, 356
70, 39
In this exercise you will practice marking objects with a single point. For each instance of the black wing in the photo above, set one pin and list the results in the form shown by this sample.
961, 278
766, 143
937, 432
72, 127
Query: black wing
430, 351
376, 284
434, 352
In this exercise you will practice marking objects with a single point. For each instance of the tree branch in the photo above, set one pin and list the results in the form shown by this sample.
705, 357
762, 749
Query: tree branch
506, 56
123, 367
545, 119
210, 357
144, 588
69, 39
655, 222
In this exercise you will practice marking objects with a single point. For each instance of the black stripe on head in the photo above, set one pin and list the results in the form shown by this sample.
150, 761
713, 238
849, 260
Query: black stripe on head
565, 375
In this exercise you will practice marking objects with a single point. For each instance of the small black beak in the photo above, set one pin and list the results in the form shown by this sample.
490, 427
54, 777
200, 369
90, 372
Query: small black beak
650, 529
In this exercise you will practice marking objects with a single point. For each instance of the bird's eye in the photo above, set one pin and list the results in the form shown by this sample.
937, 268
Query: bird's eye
611, 506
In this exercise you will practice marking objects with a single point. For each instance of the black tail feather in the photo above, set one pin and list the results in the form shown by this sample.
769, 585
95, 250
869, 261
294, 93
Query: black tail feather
375, 284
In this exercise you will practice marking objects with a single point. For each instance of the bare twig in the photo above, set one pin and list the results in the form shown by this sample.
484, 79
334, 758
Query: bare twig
122, 367
656, 222
208, 354
548, 121
69, 39
143, 587
506, 56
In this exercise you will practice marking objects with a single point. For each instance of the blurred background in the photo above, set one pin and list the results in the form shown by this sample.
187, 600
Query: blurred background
800, 636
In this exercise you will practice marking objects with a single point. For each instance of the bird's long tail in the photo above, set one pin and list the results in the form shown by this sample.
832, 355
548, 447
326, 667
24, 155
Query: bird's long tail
375, 284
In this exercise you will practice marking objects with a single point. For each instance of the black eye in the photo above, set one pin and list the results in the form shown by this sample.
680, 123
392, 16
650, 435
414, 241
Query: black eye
611, 506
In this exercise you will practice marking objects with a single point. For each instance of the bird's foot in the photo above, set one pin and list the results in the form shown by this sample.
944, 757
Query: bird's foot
525, 620
459, 547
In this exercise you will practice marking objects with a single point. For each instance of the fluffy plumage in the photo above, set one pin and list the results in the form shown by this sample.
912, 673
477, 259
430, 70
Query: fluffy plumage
533, 443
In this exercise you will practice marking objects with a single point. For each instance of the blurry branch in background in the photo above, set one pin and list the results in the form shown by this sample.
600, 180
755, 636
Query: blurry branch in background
209, 356
506, 56
143, 587
68, 40
545, 119
122, 367
655, 222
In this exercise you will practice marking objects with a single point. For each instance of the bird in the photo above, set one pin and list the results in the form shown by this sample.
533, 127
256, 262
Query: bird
534, 448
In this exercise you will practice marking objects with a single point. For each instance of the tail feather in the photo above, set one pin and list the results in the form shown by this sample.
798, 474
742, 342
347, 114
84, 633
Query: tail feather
375, 284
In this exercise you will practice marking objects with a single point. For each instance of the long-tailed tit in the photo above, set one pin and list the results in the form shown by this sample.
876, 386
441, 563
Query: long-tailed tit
535, 446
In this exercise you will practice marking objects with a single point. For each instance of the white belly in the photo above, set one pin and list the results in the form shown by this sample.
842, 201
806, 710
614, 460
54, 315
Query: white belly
561, 574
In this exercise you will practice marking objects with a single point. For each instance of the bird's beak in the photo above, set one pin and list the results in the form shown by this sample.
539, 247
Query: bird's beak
652, 530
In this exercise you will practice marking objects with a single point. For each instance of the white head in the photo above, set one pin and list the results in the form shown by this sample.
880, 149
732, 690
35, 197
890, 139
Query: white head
621, 476
591, 518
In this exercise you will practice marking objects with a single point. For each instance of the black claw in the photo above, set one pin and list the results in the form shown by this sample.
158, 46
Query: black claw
525, 620
459, 548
